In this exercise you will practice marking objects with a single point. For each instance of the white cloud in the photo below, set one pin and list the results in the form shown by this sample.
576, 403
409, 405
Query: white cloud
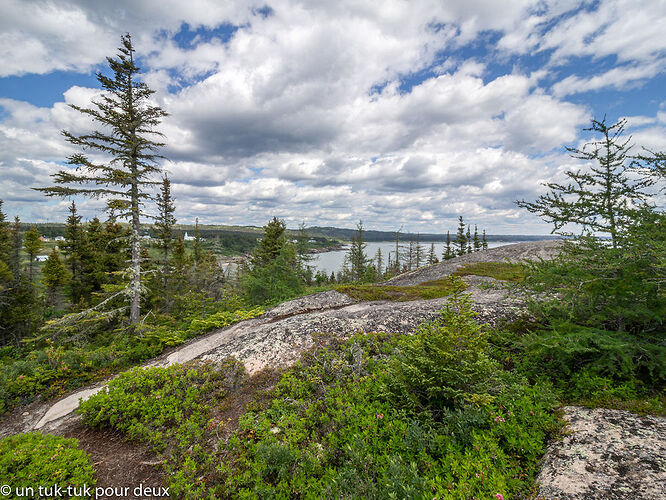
618, 78
302, 112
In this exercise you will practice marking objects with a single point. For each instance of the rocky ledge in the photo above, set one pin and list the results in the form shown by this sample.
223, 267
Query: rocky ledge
606, 455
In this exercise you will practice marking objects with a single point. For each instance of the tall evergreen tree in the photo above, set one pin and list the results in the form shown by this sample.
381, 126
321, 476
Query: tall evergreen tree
358, 260
603, 199
271, 244
181, 264
73, 249
164, 231
468, 237
419, 253
448, 251
379, 259
432, 258
15, 251
460, 239
32, 245
477, 241
484, 241
129, 124
55, 278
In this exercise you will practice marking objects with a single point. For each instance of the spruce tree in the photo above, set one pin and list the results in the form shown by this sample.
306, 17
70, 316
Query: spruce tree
484, 241
468, 237
477, 242
358, 261
432, 258
419, 251
73, 249
181, 264
55, 277
605, 197
380, 263
164, 231
32, 245
448, 251
460, 240
271, 244
128, 136
15, 250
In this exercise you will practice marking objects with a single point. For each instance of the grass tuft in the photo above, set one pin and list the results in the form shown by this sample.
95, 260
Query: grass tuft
504, 271
428, 290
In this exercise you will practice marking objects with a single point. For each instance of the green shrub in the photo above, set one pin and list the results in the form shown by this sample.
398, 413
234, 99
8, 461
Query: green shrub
329, 432
274, 282
35, 459
56, 367
594, 284
159, 405
573, 355
444, 365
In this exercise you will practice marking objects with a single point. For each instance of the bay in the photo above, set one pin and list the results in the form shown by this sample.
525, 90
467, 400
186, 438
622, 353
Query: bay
329, 262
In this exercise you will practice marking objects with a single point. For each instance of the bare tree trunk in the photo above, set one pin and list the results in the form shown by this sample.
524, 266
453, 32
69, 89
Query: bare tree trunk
135, 283
166, 278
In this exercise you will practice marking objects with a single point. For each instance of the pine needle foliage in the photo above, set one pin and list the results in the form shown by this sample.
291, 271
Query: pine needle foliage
604, 197
129, 139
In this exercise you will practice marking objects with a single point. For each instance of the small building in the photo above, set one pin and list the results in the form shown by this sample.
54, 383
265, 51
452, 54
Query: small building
187, 237
59, 238
44, 238
41, 258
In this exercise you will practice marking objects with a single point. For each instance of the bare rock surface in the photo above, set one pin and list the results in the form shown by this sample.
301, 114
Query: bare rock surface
519, 252
608, 454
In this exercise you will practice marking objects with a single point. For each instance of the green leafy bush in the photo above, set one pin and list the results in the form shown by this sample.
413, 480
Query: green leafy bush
55, 367
590, 363
444, 365
35, 459
329, 432
159, 405
275, 281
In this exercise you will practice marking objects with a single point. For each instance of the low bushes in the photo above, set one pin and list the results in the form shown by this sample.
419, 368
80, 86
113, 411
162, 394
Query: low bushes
338, 423
34, 459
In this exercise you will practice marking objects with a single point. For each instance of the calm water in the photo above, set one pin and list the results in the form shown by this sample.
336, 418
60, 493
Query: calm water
333, 261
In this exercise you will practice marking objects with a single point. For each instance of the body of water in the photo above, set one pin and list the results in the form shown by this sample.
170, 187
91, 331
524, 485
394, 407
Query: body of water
329, 262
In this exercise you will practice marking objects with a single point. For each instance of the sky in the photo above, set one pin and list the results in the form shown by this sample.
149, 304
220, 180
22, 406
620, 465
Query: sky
396, 113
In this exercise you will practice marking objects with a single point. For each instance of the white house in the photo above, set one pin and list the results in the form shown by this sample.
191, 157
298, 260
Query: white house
187, 237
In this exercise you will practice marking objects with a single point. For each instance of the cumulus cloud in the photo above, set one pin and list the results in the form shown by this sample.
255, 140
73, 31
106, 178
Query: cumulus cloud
333, 111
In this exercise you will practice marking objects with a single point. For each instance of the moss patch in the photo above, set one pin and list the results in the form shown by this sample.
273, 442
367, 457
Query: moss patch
427, 290
504, 271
